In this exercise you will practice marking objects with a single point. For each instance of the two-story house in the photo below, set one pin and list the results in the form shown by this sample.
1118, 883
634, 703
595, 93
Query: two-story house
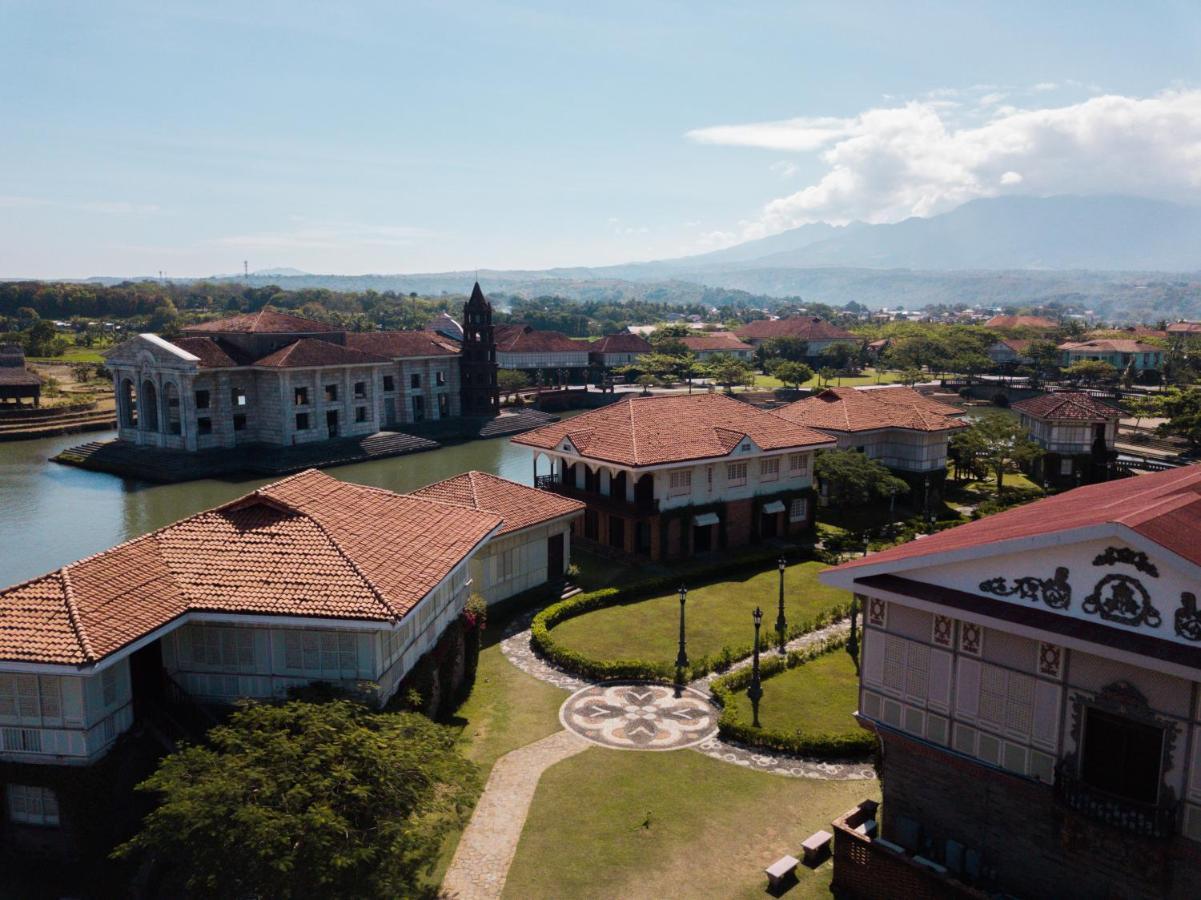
1034, 678
711, 344
670, 476
621, 349
896, 426
1120, 353
817, 333
1077, 431
545, 353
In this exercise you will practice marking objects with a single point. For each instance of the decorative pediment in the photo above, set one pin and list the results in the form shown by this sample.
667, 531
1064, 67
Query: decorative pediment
150, 349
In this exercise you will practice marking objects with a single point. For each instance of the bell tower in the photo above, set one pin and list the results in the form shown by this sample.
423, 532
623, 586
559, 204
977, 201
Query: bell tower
477, 364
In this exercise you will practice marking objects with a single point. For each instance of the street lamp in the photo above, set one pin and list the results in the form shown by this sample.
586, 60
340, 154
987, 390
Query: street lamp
682, 656
755, 691
781, 622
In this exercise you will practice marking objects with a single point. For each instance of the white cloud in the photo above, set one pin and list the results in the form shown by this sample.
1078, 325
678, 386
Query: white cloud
923, 158
785, 168
1043, 86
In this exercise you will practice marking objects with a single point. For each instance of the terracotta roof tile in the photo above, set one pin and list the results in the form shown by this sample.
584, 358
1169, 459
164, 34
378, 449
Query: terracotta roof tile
1068, 405
265, 321
313, 352
645, 431
1021, 322
520, 506
525, 339
213, 353
1118, 345
309, 545
398, 344
852, 409
1164, 507
717, 340
622, 343
806, 328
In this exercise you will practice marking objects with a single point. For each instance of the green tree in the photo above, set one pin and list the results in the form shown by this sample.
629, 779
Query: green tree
1182, 407
729, 371
825, 375
511, 380
647, 382
667, 339
1091, 371
790, 348
789, 372
40, 339
837, 356
995, 442
1143, 407
850, 478
306, 800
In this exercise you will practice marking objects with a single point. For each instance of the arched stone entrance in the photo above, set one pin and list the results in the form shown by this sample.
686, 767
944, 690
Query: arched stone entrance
148, 405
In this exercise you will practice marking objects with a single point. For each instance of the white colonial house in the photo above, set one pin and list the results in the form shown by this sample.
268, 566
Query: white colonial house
1034, 678
619, 350
523, 347
667, 477
1078, 432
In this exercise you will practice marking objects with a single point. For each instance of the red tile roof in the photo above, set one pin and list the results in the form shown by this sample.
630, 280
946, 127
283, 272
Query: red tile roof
520, 506
1111, 346
622, 343
265, 321
647, 431
851, 409
313, 352
212, 353
1184, 328
398, 344
1163, 507
806, 328
309, 545
1068, 405
1017, 345
717, 340
525, 339
1021, 322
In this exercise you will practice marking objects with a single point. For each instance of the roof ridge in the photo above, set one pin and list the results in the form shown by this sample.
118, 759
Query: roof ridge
633, 432
371, 586
73, 616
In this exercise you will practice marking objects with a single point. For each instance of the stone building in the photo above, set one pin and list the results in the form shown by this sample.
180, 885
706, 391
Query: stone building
668, 477
278, 379
533, 546
480, 391
896, 426
284, 587
1034, 678
1077, 431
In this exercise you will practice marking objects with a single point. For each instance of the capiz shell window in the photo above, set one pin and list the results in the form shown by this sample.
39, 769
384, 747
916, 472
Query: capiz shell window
736, 473
31, 805
680, 482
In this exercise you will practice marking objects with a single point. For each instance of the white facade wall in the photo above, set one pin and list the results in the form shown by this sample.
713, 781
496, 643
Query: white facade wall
1067, 436
898, 448
517, 562
561, 360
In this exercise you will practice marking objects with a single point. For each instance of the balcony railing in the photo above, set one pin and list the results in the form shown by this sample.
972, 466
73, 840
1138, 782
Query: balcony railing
1153, 820
596, 499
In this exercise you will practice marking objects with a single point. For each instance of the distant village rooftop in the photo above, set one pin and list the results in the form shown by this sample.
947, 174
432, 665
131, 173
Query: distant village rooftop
308, 546
649, 431
1109, 345
265, 321
805, 328
1040, 322
715, 341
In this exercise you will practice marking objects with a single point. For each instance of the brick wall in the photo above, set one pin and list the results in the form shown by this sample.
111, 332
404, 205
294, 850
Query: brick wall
738, 522
1029, 844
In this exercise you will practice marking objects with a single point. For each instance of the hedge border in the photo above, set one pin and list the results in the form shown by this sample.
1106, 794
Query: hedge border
639, 669
819, 744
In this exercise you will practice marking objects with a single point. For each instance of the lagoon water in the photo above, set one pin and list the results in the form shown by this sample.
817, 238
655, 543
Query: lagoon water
52, 514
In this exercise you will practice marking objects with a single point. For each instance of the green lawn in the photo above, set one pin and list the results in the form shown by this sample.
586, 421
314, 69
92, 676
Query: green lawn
611, 823
718, 615
816, 698
869, 376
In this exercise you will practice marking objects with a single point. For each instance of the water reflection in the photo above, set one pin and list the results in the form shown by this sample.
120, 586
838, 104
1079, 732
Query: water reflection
51, 514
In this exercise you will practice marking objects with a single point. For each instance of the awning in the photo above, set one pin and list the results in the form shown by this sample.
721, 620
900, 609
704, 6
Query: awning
705, 519
776, 506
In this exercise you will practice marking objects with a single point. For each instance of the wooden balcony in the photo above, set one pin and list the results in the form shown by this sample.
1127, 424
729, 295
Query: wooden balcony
598, 501
1153, 820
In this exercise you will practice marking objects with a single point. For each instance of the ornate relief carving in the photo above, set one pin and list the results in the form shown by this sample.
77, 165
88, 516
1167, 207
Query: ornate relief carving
1188, 620
971, 636
944, 628
1113, 556
1050, 659
876, 610
1054, 591
1120, 598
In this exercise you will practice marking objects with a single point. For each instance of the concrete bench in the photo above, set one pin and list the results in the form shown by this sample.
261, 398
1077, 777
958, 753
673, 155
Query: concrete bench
780, 870
815, 846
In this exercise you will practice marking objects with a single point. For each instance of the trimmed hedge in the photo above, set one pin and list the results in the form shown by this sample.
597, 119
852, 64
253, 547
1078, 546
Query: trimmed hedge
641, 670
828, 746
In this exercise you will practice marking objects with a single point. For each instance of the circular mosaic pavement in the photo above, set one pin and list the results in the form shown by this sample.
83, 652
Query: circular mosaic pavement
640, 716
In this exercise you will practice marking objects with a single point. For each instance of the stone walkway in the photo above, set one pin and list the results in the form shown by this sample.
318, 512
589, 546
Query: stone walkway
485, 852
517, 649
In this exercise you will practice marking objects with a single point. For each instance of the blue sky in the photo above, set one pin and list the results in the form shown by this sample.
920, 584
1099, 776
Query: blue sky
408, 137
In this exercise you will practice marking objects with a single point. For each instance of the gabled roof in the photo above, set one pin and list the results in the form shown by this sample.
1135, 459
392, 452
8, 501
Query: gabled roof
1117, 345
399, 344
526, 339
647, 431
806, 328
716, 340
265, 321
622, 343
313, 352
1163, 507
309, 546
851, 410
1017, 345
1068, 405
520, 506
1041, 322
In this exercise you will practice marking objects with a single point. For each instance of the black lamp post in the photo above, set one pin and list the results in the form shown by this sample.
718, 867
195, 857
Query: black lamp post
682, 656
781, 622
755, 691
